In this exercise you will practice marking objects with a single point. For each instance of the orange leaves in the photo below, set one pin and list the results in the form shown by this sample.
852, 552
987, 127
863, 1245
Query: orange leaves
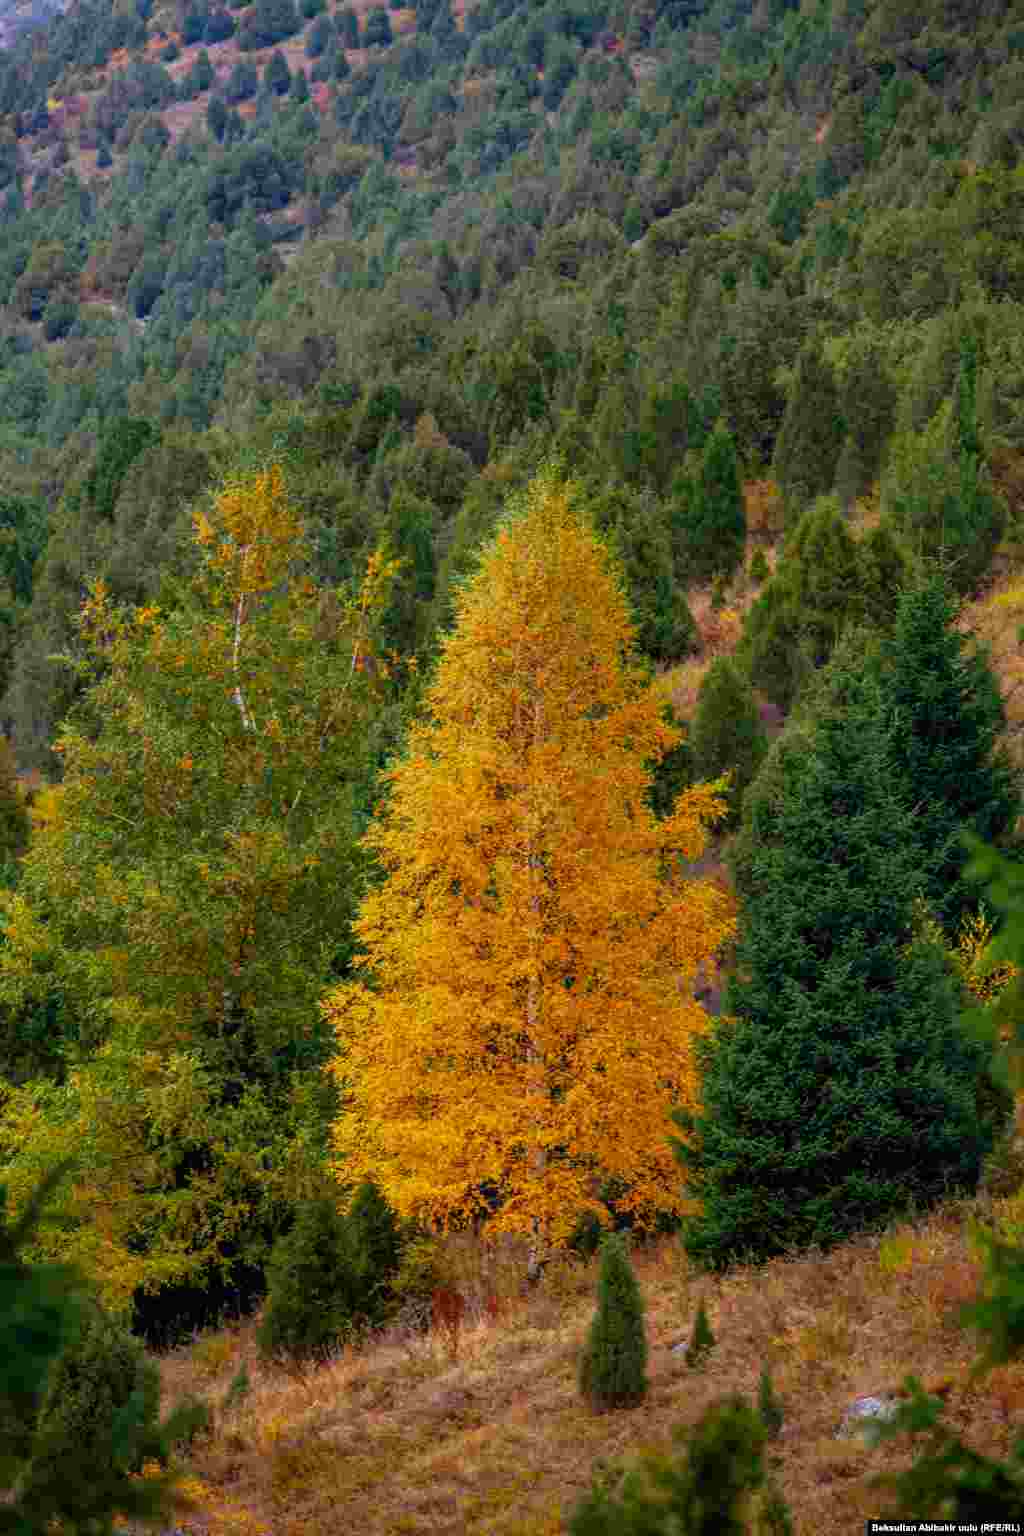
251, 536
526, 1025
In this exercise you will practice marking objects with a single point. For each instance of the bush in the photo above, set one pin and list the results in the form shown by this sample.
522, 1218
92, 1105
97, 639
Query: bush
613, 1367
311, 1300
78, 1399
330, 1274
708, 1491
377, 1247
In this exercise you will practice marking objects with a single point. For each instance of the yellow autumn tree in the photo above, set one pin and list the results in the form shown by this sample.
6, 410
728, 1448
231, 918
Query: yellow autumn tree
186, 898
527, 1015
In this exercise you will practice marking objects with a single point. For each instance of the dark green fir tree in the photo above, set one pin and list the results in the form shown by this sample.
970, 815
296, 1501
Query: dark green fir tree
812, 431
946, 714
727, 732
709, 523
613, 1366
838, 1085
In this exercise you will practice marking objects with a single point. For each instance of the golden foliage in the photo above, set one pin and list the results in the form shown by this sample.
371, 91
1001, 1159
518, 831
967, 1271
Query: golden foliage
188, 871
527, 1021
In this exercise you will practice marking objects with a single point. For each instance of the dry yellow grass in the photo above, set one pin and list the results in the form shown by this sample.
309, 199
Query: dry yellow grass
398, 1439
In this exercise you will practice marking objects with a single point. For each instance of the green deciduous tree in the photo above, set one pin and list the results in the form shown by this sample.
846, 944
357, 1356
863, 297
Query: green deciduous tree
202, 858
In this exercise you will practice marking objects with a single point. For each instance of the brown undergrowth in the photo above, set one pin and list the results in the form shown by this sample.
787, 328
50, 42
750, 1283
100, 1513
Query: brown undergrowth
406, 1436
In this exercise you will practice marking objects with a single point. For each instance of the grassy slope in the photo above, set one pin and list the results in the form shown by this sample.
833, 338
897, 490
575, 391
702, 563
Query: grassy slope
400, 1440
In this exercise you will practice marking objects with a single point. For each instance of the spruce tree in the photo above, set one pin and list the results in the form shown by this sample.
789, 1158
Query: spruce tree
727, 732
837, 1085
666, 629
375, 1240
825, 581
45, 1314
702, 1340
708, 516
613, 1366
946, 714
711, 1489
768, 1405
277, 77
316, 1284
812, 431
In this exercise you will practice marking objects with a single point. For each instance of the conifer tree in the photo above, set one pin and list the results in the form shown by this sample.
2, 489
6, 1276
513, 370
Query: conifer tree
768, 1405
716, 1486
376, 1244
524, 948
702, 1340
316, 1287
838, 1084
709, 523
613, 1366
825, 581
811, 435
666, 628
44, 1312
946, 714
727, 733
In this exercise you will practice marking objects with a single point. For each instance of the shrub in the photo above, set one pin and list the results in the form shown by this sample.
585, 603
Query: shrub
77, 1399
312, 1288
707, 1491
613, 1367
702, 1340
377, 1247
330, 1274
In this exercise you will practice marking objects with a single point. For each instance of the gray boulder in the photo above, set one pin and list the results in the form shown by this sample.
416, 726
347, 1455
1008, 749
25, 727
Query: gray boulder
864, 1414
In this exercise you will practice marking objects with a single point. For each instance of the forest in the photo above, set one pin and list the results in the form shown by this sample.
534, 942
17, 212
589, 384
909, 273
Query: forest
511, 600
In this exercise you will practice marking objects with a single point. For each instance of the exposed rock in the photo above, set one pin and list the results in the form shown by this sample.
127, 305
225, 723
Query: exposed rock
863, 1414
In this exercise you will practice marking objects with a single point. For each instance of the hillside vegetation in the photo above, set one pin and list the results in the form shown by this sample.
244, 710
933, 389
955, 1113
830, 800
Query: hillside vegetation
526, 500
